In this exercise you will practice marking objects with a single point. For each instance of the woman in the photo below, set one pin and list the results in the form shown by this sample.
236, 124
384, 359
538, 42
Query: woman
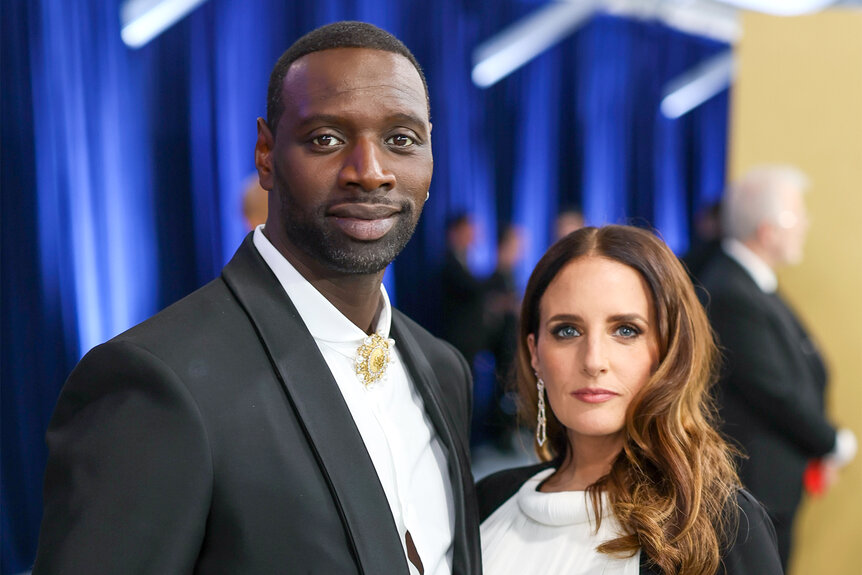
615, 360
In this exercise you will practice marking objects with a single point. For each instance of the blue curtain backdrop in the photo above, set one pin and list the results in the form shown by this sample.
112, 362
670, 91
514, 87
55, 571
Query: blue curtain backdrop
122, 169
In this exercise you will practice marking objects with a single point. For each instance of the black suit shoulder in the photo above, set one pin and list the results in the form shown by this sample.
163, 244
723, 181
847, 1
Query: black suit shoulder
182, 343
724, 278
198, 320
133, 407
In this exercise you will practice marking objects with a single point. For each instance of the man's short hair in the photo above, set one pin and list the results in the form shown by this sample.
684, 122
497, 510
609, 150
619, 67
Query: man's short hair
347, 34
758, 197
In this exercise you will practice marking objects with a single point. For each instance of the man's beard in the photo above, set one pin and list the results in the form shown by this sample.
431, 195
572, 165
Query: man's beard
311, 233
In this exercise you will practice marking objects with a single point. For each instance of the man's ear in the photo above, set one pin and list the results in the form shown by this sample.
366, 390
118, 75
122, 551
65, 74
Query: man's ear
765, 234
263, 155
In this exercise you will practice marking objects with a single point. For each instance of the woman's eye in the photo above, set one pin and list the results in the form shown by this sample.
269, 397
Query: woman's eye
400, 141
628, 331
566, 331
325, 141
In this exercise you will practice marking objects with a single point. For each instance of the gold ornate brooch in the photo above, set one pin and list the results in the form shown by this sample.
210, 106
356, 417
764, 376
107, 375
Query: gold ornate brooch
372, 359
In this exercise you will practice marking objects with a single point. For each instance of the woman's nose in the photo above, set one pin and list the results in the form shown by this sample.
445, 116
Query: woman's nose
595, 361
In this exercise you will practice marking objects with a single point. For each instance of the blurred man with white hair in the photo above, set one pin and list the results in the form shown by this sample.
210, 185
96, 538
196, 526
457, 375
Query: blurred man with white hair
771, 392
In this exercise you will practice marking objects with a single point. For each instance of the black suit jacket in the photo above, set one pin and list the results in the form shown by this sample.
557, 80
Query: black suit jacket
772, 385
753, 550
212, 438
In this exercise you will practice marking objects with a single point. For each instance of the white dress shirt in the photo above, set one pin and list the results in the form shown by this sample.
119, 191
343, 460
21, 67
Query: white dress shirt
390, 415
753, 265
535, 532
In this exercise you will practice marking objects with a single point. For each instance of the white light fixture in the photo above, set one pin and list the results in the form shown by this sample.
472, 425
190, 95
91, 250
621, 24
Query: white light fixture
521, 42
143, 20
781, 7
706, 18
698, 85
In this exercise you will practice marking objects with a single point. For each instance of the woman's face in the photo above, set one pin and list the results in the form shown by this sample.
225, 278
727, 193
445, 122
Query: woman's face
596, 345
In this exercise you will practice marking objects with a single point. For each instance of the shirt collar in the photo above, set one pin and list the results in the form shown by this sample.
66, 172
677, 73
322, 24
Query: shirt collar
758, 269
322, 319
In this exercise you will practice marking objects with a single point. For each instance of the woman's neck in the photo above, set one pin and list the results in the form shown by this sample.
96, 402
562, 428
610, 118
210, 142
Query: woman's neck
588, 460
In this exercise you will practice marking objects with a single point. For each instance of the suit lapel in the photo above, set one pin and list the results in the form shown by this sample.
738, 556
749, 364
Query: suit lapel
459, 465
320, 407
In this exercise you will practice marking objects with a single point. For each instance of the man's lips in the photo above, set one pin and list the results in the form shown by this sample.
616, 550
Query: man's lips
593, 394
364, 222
362, 211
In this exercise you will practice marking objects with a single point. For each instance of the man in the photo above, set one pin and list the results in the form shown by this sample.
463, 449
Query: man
773, 382
503, 307
463, 294
255, 202
569, 220
707, 241
267, 423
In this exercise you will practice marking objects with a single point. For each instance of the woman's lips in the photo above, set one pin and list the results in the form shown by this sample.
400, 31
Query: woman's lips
593, 395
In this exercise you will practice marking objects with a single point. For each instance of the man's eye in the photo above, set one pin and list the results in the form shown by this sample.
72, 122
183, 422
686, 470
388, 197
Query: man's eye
628, 331
566, 331
400, 141
326, 141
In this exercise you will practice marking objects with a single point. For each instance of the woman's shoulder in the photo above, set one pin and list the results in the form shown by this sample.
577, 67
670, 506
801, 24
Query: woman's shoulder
752, 516
497, 488
753, 547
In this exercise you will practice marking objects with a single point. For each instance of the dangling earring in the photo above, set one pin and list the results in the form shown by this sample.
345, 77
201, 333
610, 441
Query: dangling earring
542, 421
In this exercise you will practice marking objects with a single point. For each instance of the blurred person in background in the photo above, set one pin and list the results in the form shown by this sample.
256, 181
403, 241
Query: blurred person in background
463, 294
568, 221
254, 202
706, 242
502, 301
771, 392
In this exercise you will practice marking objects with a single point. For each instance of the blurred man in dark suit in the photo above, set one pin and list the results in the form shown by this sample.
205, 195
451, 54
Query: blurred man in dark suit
502, 309
771, 393
706, 243
284, 418
463, 294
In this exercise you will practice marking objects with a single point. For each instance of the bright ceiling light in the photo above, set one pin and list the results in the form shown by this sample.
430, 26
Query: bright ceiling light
521, 42
698, 85
143, 20
781, 7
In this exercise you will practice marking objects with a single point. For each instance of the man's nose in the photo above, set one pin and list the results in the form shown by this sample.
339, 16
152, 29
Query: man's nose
365, 167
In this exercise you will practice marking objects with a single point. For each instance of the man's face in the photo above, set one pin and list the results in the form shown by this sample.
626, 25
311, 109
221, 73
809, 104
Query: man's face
350, 165
791, 228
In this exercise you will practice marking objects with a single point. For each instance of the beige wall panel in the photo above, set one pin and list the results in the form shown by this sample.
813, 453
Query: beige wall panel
798, 100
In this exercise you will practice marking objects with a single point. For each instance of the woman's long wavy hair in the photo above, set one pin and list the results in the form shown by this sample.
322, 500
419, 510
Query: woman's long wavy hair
673, 486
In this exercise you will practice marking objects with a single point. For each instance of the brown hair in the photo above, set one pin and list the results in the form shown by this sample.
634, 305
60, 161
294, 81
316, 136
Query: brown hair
673, 486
